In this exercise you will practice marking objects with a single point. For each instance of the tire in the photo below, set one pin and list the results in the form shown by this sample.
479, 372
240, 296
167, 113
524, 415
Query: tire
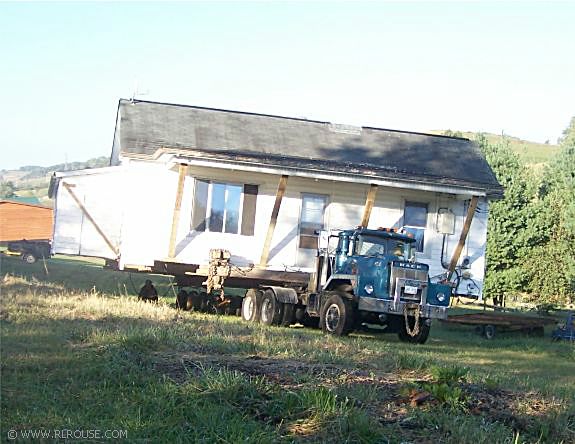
29, 258
419, 338
489, 331
271, 310
194, 301
288, 317
181, 299
336, 316
250, 306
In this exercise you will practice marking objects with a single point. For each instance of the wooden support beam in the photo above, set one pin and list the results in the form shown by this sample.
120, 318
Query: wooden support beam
369, 201
89, 217
463, 237
182, 171
273, 220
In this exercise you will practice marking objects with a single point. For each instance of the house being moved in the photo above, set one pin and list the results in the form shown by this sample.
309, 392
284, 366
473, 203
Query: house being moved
185, 179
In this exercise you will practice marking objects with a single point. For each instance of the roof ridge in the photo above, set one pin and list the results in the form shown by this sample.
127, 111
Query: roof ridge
206, 108
299, 119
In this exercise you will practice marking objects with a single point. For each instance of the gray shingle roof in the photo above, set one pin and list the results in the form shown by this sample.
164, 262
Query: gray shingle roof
144, 127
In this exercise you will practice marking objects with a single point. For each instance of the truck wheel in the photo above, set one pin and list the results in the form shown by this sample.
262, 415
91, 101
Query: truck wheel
419, 338
29, 258
336, 316
271, 311
250, 306
288, 315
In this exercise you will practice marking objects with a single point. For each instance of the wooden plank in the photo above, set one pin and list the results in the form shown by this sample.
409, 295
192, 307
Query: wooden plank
182, 172
463, 237
273, 220
369, 202
68, 188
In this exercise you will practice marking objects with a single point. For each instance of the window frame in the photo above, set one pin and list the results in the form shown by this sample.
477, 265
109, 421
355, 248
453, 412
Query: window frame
209, 198
325, 198
426, 232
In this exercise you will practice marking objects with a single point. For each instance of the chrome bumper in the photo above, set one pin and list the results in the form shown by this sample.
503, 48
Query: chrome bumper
388, 306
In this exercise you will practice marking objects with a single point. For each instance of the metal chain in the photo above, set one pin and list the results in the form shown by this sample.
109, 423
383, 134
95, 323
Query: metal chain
415, 331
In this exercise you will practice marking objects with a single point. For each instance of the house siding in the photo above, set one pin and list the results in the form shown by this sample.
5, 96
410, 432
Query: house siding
137, 206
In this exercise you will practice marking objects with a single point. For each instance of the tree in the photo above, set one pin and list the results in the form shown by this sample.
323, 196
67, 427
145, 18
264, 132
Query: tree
509, 228
550, 265
7, 190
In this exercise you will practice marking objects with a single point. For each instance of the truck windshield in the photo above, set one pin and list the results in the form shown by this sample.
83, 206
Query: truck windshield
376, 246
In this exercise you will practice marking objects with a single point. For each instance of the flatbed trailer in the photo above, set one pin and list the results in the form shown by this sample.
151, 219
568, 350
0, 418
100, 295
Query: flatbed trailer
488, 324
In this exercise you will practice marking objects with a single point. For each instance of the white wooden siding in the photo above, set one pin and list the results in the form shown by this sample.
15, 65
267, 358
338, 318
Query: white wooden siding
101, 195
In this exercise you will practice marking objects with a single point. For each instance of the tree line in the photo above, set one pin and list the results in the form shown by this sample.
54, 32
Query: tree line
531, 231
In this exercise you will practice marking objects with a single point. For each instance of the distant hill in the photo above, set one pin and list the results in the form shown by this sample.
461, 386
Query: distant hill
532, 153
32, 180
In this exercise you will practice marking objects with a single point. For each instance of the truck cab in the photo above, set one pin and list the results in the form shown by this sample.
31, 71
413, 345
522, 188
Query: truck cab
367, 276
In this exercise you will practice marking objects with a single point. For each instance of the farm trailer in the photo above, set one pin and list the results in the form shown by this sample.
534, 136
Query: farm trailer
187, 180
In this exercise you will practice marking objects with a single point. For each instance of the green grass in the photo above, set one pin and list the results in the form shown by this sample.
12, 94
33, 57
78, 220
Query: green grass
84, 273
83, 358
532, 153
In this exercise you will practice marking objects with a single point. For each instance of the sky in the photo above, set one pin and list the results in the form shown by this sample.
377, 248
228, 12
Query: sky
499, 67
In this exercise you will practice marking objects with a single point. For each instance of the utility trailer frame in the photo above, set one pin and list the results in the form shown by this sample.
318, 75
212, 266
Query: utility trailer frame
488, 324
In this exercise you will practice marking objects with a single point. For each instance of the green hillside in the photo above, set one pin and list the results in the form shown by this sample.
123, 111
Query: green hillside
532, 153
33, 181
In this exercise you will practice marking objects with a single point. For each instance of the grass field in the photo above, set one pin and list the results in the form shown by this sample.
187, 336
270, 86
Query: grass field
532, 153
79, 352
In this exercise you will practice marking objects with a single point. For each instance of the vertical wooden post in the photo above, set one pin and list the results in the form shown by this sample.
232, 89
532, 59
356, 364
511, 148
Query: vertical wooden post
369, 201
183, 170
273, 220
463, 237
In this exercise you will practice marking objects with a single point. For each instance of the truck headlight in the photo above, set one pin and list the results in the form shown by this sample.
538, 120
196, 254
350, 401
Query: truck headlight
441, 297
368, 289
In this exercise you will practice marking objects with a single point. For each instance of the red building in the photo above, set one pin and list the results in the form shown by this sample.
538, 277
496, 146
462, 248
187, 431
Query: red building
24, 221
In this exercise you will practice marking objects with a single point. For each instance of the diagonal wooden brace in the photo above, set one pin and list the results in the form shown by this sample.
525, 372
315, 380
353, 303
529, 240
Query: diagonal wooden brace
273, 220
68, 188
463, 237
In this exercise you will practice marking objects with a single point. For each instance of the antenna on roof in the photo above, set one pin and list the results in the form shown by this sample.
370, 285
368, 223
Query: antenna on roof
138, 92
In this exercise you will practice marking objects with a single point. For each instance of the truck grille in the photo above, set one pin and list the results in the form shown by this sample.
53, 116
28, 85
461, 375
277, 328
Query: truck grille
408, 277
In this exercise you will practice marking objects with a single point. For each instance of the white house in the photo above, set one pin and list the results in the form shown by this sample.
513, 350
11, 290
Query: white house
184, 180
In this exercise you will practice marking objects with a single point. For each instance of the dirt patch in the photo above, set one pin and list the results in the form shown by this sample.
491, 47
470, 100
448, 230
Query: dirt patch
284, 372
397, 393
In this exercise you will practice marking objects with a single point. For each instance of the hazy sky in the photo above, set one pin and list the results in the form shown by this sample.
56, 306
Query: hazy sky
484, 66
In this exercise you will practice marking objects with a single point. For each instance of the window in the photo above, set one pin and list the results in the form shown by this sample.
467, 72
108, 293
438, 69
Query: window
311, 220
415, 221
224, 207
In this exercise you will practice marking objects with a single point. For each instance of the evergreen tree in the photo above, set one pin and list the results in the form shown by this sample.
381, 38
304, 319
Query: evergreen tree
508, 221
550, 265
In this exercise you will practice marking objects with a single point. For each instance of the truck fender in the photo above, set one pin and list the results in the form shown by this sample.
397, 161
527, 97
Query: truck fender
284, 295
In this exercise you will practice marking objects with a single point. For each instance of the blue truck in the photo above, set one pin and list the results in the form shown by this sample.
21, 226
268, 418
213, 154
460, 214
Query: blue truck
362, 277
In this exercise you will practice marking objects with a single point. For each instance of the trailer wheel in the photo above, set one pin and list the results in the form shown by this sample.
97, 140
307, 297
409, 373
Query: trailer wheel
419, 338
29, 258
271, 310
489, 331
336, 316
250, 306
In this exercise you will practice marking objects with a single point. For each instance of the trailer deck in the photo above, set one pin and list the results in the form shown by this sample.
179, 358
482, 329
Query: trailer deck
487, 324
